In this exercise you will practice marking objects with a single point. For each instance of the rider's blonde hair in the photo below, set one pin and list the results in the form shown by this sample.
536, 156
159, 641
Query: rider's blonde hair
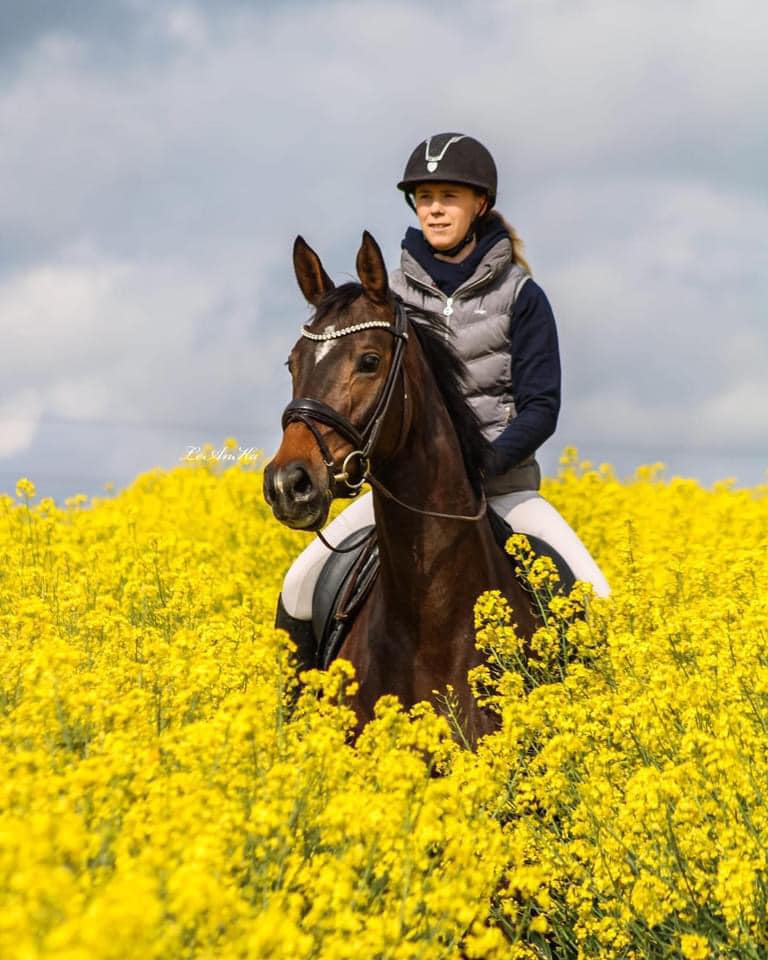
517, 243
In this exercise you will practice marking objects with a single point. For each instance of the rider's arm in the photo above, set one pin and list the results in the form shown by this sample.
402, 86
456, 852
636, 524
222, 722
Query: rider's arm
535, 378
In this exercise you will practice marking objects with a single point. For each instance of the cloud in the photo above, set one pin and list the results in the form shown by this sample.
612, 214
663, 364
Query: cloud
661, 316
20, 416
737, 413
137, 362
156, 164
24, 24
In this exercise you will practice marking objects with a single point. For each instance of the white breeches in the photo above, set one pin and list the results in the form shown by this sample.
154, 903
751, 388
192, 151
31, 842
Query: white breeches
526, 512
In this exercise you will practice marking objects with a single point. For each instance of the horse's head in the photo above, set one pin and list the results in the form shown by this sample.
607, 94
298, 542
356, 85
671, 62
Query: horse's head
345, 407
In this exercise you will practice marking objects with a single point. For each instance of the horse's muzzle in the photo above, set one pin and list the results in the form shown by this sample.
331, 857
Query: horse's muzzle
298, 499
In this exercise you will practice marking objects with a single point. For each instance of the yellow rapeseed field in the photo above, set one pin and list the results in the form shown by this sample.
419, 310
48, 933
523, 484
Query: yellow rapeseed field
167, 792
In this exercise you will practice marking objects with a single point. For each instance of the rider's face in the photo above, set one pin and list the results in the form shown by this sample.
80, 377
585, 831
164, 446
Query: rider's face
445, 211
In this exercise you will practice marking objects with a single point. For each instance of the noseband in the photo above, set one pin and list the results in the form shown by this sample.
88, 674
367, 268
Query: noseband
308, 411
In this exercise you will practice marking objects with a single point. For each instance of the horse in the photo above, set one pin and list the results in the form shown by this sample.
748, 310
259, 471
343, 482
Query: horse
378, 396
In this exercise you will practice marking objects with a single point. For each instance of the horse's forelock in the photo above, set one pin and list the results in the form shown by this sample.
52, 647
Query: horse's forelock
335, 302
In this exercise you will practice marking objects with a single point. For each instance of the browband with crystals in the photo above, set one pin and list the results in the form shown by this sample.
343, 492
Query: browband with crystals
335, 334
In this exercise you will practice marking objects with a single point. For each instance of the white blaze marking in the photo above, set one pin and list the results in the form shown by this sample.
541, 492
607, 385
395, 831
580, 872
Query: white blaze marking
324, 347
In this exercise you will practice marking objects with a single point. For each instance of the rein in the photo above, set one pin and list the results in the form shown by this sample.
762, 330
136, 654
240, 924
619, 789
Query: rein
378, 485
308, 411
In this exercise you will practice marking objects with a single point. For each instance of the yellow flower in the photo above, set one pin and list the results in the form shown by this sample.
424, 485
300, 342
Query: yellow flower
694, 947
169, 789
25, 488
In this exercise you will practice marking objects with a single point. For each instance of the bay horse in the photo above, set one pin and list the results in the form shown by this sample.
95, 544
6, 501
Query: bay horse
378, 395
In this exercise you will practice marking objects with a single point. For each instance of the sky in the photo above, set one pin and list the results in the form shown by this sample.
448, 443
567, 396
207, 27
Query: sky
157, 160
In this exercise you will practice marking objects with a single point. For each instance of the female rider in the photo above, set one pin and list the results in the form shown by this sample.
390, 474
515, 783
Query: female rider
466, 264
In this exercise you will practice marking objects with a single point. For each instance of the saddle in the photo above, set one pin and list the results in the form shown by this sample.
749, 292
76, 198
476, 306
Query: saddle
347, 578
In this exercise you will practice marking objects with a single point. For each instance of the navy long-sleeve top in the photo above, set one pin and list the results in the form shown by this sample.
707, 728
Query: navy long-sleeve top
535, 376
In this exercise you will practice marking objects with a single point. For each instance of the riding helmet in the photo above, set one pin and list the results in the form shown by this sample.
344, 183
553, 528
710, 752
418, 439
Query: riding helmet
451, 157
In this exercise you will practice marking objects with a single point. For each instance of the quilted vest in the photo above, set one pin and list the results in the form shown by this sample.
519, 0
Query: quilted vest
479, 315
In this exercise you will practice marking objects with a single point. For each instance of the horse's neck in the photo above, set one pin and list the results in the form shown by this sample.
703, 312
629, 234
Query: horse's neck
421, 555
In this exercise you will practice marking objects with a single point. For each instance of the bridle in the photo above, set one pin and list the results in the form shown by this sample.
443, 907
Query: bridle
309, 412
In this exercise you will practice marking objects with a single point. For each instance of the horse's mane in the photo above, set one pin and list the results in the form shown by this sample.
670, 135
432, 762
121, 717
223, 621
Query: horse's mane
448, 369
450, 374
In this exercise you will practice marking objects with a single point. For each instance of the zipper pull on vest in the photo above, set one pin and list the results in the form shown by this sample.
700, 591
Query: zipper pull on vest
448, 309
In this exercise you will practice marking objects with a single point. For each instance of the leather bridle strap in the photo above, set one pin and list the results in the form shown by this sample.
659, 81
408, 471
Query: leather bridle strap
307, 410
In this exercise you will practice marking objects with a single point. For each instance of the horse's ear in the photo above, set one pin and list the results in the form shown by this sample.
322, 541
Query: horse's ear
313, 279
371, 269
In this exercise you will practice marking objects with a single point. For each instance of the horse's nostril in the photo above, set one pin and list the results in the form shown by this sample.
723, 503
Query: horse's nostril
299, 483
302, 485
290, 486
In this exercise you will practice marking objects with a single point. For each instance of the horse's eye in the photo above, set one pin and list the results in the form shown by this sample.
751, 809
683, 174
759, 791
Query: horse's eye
368, 363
